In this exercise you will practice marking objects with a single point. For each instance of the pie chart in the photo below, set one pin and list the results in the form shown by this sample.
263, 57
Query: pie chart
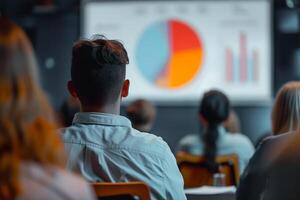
170, 54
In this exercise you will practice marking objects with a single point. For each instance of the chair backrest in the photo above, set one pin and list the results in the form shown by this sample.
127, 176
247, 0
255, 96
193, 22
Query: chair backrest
133, 189
195, 173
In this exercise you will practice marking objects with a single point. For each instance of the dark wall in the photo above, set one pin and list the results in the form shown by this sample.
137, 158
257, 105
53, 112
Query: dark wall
55, 35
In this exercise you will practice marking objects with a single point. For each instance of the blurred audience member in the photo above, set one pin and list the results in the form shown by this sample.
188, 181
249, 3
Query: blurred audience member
142, 114
286, 109
213, 112
102, 145
232, 123
273, 171
68, 109
30, 151
263, 136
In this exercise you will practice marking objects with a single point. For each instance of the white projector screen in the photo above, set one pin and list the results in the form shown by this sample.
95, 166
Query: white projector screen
180, 49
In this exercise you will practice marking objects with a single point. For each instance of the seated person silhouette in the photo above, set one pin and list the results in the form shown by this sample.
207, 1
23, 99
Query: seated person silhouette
101, 144
214, 140
273, 171
232, 124
31, 152
286, 109
141, 114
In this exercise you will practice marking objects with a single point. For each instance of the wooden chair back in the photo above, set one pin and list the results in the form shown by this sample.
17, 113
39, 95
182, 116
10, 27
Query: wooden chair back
106, 190
195, 173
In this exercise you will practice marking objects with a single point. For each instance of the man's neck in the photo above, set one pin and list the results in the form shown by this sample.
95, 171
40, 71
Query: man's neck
143, 128
110, 109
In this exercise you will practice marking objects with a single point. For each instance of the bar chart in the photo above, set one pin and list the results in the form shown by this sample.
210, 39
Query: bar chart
242, 63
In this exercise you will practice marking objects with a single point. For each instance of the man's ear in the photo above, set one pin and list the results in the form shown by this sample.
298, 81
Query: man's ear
72, 89
125, 88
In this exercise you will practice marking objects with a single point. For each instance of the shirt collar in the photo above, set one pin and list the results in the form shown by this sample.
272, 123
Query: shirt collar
101, 119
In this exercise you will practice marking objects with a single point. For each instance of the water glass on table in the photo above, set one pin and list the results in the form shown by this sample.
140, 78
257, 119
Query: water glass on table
219, 180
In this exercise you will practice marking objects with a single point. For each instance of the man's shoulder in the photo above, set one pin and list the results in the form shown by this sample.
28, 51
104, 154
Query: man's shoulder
148, 141
70, 129
67, 133
125, 138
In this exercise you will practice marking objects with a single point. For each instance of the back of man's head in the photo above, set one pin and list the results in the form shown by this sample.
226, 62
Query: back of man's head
98, 70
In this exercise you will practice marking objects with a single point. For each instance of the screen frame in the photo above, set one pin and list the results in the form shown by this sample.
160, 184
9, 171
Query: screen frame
251, 103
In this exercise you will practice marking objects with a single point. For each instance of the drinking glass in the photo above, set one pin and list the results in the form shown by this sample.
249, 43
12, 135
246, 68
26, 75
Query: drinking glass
219, 180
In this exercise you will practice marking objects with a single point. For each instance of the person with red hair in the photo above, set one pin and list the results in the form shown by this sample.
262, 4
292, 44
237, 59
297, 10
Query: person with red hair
31, 153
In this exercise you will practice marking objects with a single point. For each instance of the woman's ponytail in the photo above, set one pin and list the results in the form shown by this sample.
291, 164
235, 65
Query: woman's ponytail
214, 109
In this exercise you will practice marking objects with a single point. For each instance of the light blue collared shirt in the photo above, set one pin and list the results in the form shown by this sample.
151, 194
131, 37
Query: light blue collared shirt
105, 147
227, 143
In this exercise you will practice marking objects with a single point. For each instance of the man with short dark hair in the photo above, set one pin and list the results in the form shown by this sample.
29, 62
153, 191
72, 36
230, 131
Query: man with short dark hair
101, 144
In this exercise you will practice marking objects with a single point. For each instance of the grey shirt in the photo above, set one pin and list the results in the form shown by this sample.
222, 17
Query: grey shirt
105, 147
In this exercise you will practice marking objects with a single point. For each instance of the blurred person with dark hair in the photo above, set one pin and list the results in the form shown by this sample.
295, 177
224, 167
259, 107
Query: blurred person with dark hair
232, 123
67, 111
142, 114
233, 126
31, 153
213, 111
273, 172
101, 144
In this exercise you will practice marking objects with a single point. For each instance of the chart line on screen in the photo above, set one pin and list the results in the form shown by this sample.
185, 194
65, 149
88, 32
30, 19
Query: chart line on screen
174, 54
